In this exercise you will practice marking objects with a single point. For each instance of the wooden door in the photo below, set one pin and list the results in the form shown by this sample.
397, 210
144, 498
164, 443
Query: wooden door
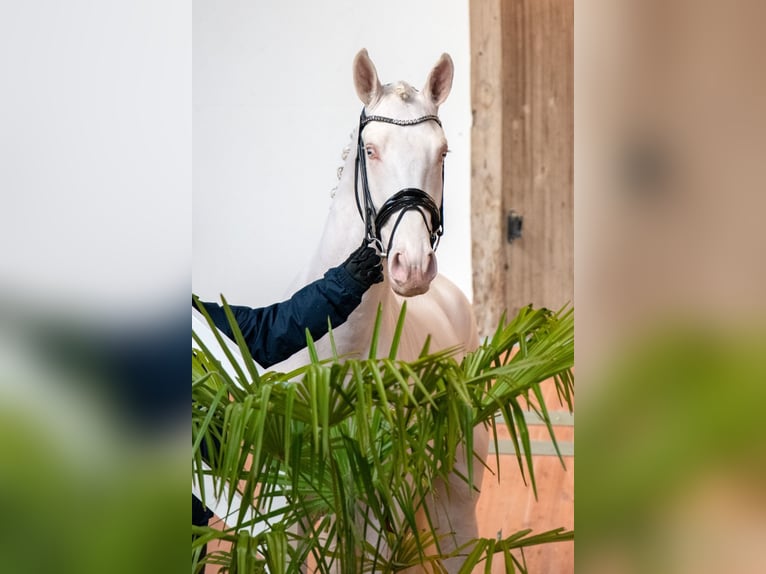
522, 156
538, 150
522, 162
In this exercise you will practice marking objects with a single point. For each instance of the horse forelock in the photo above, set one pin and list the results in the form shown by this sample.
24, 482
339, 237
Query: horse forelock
401, 89
401, 100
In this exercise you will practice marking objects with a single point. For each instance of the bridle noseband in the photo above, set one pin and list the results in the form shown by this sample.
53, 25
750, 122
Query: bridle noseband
402, 201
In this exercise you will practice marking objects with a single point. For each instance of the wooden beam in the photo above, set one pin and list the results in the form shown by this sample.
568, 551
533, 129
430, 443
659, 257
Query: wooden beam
537, 123
487, 230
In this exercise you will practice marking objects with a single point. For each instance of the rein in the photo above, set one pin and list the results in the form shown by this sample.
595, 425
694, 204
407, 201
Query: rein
402, 201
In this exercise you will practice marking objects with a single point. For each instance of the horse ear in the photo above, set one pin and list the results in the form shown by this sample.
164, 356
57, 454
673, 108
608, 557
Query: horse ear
366, 80
439, 82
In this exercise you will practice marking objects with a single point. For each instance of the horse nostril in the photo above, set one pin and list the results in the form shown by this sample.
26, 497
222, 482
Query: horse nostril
399, 269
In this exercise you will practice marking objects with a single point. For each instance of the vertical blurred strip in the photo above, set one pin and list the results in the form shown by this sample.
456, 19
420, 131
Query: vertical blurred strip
95, 258
670, 196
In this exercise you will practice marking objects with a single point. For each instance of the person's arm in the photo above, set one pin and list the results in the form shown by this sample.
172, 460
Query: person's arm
275, 332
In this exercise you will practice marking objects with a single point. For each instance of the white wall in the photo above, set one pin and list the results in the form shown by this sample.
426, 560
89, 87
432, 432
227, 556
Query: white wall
274, 104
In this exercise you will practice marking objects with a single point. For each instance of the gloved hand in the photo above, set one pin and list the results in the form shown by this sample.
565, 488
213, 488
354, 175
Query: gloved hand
364, 266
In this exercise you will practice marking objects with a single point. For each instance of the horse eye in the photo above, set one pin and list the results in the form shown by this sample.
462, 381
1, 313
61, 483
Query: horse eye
370, 152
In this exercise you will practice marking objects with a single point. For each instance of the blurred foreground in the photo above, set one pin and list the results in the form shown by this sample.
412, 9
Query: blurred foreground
95, 241
93, 445
670, 179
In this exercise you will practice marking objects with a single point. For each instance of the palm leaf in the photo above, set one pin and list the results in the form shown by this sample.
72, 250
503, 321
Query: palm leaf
353, 446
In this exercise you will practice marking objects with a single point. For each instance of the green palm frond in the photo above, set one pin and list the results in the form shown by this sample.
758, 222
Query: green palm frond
354, 446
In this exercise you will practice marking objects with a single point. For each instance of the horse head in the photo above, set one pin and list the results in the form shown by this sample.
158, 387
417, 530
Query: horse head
399, 171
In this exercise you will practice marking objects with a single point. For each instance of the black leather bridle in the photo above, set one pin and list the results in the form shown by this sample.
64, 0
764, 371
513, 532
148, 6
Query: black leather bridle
402, 201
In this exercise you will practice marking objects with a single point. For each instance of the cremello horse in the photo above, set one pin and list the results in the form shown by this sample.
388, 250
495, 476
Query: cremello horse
393, 196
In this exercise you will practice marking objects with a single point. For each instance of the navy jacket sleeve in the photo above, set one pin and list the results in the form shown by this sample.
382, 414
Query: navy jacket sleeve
275, 332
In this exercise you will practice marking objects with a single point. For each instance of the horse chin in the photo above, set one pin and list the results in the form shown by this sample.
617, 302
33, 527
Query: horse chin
410, 289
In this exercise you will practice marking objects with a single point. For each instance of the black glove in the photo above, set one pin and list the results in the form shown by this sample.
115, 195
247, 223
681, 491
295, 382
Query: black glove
364, 266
